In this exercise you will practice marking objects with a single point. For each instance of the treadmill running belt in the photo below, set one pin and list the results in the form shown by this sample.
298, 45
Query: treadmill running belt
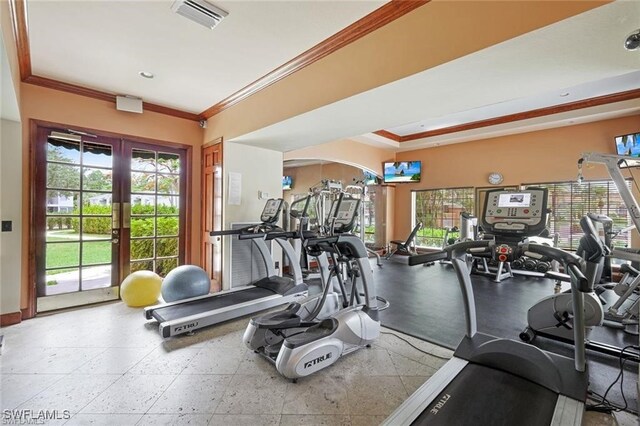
481, 395
216, 301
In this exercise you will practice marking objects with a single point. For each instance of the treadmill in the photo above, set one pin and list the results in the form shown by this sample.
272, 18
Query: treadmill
495, 381
191, 314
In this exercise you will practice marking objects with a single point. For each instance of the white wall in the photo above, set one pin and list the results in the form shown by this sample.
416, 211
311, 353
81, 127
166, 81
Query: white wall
261, 170
10, 209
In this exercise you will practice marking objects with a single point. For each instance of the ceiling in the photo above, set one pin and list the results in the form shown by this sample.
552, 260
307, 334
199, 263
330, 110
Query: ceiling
104, 45
582, 56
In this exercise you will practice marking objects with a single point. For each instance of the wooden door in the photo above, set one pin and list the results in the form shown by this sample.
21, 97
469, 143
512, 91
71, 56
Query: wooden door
212, 213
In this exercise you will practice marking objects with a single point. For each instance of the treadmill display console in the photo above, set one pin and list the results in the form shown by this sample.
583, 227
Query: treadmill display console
515, 213
271, 212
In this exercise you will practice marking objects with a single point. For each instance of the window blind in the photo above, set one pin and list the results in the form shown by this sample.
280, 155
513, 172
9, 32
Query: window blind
570, 201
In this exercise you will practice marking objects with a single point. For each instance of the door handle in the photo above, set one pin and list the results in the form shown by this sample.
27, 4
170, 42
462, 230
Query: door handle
126, 215
115, 216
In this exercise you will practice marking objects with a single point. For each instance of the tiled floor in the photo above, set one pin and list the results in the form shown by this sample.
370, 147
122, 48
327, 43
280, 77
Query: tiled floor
106, 366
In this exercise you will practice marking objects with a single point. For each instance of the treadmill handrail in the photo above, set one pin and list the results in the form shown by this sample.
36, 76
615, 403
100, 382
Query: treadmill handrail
251, 229
457, 250
272, 235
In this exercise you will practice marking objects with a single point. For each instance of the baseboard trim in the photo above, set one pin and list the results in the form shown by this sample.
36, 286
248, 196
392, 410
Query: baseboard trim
10, 319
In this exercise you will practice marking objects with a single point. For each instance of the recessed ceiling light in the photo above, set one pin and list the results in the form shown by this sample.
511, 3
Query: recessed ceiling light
563, 94
146, 74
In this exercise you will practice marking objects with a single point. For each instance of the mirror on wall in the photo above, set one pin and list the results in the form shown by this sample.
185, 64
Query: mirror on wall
302, 176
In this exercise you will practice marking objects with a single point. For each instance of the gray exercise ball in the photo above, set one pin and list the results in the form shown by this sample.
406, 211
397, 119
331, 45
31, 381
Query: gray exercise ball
184, 282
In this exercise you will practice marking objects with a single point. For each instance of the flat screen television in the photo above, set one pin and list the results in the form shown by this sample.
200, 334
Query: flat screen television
402, 172
287, 182
629, 145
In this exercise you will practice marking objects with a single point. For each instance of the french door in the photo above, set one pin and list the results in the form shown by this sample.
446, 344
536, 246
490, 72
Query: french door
103, 207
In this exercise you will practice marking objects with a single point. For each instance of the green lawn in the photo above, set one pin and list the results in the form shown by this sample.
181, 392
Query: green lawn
71, 235
93, 252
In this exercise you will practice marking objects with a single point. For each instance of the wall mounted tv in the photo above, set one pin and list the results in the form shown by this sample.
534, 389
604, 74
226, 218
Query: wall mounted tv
287, 182
402, 172
629, 145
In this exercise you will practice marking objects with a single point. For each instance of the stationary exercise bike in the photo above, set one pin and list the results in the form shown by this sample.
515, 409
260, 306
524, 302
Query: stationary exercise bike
620, 300
553, 316
301, 346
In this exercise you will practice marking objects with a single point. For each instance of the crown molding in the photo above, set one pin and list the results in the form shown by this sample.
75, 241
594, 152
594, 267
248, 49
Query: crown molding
18, 10
389, 135
380, 17
519, 116
105, 96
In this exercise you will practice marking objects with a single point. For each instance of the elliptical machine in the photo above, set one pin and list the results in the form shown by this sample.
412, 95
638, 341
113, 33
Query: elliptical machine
301, 346
269, 330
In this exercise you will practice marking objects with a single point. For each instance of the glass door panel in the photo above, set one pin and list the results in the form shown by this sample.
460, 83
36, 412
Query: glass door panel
77, 193
155, 190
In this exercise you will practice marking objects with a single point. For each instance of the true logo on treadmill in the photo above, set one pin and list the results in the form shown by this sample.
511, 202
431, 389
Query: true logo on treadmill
440, 404
180, 328
317, 360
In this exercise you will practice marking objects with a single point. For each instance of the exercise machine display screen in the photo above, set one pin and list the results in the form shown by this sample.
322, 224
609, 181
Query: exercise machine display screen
271, 212
347, 211
516, 199
515, 213
344, 214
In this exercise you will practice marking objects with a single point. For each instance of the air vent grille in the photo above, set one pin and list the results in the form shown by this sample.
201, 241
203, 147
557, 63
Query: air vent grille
199, 11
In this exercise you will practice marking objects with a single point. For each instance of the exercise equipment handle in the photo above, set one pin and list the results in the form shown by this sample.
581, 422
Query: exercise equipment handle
419, 259
454, 250
572, 263
251, 235
225, 232
582, 283
283, 234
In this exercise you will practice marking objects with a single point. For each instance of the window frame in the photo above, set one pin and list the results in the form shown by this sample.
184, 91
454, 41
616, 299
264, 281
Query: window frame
414, 215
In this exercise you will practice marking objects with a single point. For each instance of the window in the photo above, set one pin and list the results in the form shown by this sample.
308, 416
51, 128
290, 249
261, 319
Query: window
439, 209
570, 201
369, 218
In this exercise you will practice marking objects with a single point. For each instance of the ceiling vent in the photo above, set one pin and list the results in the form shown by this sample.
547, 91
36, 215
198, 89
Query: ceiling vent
199, 11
